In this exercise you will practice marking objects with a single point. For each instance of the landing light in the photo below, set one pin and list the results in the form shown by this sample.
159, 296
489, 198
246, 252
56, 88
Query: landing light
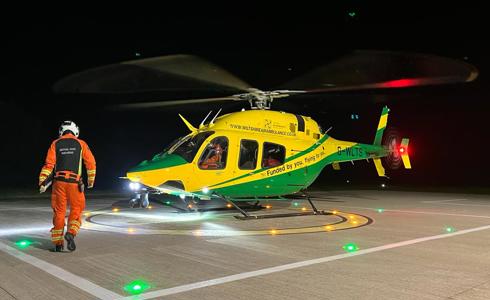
449, 229
134, 186
350, 247
182, 196
136, 287
23, 244
115, 209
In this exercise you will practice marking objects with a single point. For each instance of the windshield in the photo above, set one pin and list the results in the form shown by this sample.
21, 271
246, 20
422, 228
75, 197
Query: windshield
187, 147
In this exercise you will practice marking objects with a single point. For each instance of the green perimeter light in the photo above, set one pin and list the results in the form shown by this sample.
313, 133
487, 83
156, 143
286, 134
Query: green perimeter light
168, 202
380, 210
136, 287
350, 247
449, 229
23, 244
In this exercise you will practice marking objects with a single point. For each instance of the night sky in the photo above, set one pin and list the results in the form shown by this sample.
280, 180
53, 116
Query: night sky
447, 125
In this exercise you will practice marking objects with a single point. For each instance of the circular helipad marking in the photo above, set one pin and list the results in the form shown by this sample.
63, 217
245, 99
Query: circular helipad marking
345, 221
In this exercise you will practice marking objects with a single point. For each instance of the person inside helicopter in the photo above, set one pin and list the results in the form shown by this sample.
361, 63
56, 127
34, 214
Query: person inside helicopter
274, 155
214, 156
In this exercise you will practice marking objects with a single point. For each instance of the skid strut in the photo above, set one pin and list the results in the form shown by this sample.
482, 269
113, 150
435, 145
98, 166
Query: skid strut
246, 216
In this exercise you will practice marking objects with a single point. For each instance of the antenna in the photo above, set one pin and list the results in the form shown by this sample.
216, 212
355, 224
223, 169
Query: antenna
202, 123
212, 121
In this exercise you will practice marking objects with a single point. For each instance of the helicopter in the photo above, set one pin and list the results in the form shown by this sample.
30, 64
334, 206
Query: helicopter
260, 154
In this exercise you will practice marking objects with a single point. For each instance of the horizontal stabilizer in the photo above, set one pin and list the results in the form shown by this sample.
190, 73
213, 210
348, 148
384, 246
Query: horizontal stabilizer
379, 167
404, 153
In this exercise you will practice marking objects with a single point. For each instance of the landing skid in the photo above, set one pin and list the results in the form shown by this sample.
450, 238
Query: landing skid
246, 216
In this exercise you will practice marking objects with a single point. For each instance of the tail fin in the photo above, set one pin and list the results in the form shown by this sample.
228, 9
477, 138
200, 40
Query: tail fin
383, 120
404, 153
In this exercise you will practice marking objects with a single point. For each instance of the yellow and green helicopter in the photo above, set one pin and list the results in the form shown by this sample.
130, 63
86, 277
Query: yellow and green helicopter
258, 154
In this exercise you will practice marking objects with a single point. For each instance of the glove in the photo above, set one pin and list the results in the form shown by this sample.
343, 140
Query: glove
42, 189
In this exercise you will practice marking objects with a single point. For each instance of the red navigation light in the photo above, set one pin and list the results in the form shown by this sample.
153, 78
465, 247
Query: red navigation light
401, 83
402, 150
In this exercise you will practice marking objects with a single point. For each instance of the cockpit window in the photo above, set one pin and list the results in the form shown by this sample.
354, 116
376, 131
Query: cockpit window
273, 155
188, 146
214, 155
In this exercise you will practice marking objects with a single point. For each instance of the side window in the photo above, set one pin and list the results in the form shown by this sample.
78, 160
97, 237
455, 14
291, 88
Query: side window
214, 155
248, 155
273, 155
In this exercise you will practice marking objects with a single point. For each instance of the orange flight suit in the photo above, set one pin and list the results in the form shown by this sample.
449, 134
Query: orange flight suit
65, 158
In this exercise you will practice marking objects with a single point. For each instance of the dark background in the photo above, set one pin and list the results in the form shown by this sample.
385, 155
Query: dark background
447, 125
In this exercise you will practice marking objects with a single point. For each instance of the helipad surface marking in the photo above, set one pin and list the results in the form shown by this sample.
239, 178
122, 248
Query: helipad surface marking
300, 264
347, 221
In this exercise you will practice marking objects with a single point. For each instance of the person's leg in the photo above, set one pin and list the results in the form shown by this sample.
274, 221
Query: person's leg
76, 200
58, 203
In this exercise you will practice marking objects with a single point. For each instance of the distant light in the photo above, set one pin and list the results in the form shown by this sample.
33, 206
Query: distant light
86, 214
350, 247
229, 205
205, 190
290, 69
131, 230
354, 222
167, 202
189, 206
137, 54
383, 185
273, 231
150, 207
334, 212
348, 181
329, 227
380, 210
115, 209
303, 208
351, 217
136, 287
352, 14
182, 196
295, 203
23, 244
402, 150
449, 229
268, 206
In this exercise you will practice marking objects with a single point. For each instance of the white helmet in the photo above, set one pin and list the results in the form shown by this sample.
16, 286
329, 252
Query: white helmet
69, 125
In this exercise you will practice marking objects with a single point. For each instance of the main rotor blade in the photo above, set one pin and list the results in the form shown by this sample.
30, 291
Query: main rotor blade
156, 104
164, 73
384, 69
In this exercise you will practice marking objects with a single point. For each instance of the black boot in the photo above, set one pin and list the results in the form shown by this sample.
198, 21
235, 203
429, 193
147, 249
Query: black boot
71, 241
58, 248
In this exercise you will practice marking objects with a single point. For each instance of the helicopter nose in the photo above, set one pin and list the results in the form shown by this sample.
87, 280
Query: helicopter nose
154, 172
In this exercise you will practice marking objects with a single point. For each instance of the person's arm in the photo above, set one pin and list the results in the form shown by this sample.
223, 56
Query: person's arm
49, 163
89, 162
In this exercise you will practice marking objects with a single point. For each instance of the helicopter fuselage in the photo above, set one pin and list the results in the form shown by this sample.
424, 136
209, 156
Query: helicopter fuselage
243, 167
